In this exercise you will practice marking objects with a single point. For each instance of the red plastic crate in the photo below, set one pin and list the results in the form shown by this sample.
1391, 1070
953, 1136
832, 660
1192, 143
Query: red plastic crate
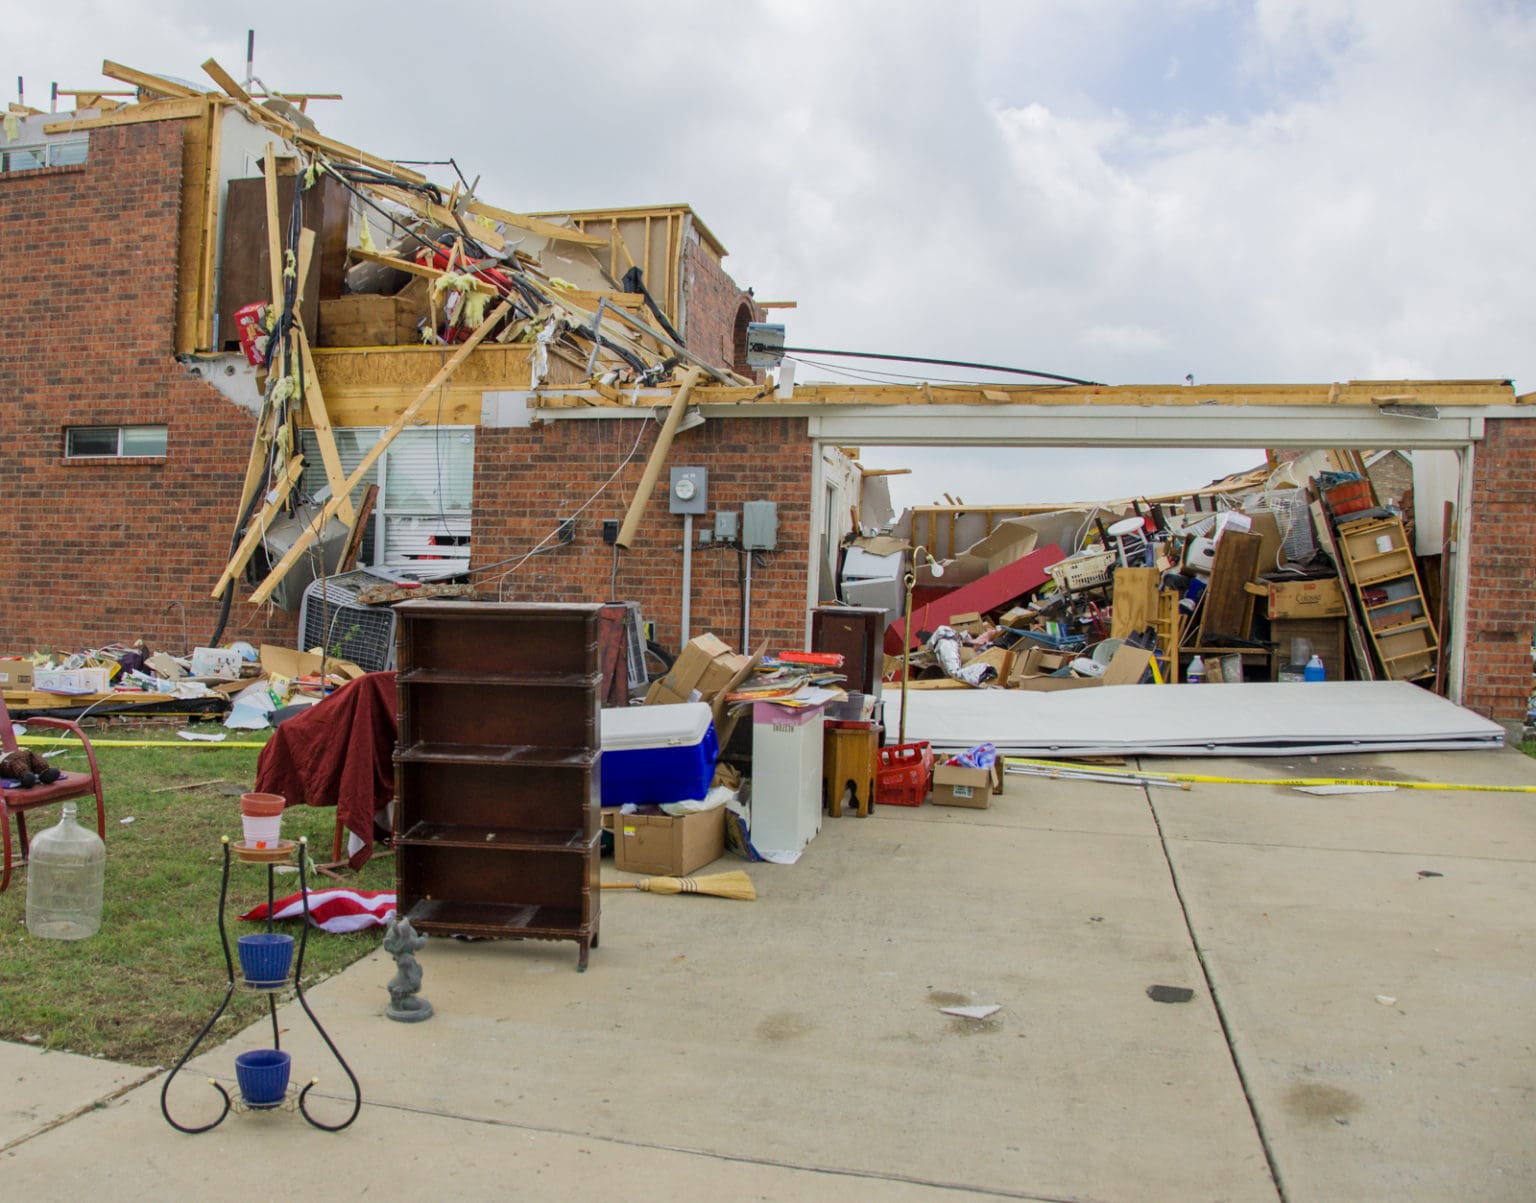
905, 774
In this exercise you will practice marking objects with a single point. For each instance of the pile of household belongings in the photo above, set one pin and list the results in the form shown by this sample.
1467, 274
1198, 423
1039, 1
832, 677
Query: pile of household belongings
1121, 593
245, 684
708, 670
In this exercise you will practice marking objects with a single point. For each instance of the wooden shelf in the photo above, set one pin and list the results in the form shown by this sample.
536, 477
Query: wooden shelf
496, 779
522, 839
501, 754
527, 680
454, 917
1406, 650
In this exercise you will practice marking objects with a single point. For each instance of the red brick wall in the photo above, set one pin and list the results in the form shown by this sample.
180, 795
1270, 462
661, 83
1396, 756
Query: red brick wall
713, 302
1501, 602
526, 480
100, 552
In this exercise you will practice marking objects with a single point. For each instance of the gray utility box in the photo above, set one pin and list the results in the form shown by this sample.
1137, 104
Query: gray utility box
760, 525
689, 490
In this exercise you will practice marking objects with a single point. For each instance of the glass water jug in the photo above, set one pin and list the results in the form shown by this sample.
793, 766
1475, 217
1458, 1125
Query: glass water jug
66, 874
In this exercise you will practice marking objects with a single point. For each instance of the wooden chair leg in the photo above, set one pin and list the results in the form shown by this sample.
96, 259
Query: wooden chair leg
5, 831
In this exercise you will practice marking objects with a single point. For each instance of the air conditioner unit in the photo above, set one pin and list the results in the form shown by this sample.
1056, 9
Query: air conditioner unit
331, 618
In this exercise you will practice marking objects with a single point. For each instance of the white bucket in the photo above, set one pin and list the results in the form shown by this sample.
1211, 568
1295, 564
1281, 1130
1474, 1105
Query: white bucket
261, 832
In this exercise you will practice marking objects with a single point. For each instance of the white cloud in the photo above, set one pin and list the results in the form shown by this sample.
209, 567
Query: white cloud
1341, 190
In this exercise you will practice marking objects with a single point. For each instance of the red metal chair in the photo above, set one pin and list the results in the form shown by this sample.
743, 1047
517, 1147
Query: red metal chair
71, 785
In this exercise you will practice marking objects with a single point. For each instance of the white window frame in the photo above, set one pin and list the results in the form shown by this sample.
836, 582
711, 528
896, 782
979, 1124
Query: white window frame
121, 433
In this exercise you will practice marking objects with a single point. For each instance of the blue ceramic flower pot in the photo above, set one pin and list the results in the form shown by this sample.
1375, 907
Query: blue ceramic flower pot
263, 1076
265, 958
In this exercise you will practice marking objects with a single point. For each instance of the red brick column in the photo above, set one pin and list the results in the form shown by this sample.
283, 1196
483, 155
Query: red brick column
1501, 586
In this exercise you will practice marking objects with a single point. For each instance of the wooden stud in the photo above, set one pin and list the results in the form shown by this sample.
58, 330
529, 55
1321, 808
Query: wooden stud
209, 231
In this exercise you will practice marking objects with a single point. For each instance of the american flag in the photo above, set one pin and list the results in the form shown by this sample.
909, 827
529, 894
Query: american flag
334, 910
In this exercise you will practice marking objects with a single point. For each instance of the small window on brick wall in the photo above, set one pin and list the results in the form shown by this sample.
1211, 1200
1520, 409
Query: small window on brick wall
113, 442
48, 154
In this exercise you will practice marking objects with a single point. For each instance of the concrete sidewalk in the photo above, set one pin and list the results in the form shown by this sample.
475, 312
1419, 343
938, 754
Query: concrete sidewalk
794, 1047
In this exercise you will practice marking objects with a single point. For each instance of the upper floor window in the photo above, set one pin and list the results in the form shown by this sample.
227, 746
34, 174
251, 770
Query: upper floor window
113, 442
63, 153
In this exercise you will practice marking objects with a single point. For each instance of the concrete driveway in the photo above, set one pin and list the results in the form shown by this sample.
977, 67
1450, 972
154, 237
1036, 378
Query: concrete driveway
1360, 1021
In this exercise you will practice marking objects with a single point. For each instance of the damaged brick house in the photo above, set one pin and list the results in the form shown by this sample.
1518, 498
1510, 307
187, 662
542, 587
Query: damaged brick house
136, 243
134, 236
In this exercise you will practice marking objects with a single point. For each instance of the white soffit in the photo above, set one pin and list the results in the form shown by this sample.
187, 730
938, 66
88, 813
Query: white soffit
1144, 426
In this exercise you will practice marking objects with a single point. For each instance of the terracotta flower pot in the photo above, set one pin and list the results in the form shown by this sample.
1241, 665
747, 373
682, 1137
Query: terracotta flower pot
262, 806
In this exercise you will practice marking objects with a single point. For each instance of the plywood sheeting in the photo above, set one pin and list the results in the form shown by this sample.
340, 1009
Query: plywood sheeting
1254, 719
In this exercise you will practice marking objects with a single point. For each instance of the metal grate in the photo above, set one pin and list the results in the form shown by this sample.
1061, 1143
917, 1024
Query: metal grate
634, 647
330, 617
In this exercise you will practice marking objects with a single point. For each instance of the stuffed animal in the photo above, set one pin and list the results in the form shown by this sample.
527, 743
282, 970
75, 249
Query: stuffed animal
27, 767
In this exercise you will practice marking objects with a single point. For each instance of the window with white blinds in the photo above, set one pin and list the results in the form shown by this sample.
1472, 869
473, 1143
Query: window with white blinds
421, 519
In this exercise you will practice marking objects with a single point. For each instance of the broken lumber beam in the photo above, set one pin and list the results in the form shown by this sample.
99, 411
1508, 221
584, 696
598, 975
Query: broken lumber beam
658, 458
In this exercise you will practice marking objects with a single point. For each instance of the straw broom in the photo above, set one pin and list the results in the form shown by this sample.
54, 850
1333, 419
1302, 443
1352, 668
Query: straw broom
734, 884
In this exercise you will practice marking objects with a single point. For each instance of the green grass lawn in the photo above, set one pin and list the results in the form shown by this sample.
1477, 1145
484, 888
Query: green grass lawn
142, 987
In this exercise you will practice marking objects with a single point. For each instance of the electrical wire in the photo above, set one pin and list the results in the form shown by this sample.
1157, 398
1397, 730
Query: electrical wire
554, 534
879, 377
950, 363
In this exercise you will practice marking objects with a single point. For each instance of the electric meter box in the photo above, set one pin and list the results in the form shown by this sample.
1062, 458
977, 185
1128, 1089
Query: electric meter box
688, 492
760, 525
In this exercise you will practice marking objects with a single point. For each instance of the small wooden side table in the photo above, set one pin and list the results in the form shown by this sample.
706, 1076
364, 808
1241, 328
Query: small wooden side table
850, 760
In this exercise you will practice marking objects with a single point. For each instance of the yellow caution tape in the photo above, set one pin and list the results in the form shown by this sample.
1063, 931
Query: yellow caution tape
66, 739
1209, 779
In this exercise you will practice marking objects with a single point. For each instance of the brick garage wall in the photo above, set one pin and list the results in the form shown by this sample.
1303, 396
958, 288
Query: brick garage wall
526, 480
102, 551
713, 302
1501, 594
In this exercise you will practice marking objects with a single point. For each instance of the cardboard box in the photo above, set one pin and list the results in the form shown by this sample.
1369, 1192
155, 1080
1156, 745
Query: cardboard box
694, 661
72, 680
664, 846
720, 673
955, 785
15, 675
661, 694
217, 662
1032, 672
1306, 599
968, 623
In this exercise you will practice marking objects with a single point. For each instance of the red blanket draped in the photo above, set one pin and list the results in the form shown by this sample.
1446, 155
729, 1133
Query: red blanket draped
339, 752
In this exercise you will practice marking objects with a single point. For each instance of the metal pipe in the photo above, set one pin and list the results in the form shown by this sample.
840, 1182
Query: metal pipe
746, 606
687, 576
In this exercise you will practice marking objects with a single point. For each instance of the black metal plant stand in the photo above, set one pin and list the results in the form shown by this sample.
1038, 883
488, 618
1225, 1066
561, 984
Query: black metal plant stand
271, 857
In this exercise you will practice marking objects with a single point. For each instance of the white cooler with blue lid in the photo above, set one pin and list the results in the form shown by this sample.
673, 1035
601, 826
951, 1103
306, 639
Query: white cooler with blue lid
656, 754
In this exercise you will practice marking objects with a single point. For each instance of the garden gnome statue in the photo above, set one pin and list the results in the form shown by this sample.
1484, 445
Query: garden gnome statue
401, 942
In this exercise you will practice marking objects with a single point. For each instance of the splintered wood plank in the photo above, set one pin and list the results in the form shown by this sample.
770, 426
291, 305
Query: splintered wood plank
227, 81
258, 527
546, 229
440, 214
309, 534
145, 81
314, 402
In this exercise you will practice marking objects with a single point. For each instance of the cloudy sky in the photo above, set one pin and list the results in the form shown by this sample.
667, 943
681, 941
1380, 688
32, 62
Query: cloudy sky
1124, 190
